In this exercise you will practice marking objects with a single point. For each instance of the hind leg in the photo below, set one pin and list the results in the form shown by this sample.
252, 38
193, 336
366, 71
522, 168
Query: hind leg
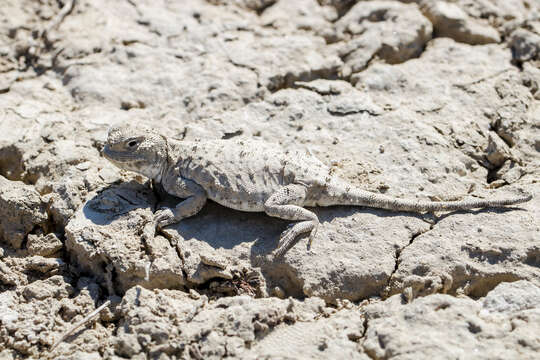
286, 203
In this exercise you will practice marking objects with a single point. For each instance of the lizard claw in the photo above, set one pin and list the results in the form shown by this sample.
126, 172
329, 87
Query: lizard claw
312, 235
163, 217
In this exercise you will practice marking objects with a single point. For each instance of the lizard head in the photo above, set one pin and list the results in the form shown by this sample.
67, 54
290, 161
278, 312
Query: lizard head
140, 150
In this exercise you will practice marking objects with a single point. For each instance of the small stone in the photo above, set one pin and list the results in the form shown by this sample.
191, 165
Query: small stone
278, 292
525, 45
7, 276
497, 151
44, 245
21, 210
449, 20
83, 166
43, 264
408, 294
194, 294
212, 259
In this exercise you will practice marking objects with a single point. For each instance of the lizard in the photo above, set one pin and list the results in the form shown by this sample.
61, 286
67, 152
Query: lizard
255, 176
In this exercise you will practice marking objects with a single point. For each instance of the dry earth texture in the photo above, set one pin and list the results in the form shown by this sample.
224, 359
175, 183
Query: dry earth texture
415, 99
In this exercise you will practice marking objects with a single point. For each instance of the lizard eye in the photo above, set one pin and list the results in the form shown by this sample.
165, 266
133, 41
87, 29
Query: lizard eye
132, 143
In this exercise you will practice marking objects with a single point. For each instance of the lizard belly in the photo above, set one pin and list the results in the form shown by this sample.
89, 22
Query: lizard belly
242, 195
241, 202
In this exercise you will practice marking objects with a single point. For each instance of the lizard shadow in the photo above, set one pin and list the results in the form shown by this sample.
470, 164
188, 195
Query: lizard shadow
116, 200
495, 210
222, 227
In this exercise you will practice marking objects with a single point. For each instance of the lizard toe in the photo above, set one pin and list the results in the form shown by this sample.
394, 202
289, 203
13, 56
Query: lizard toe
287, 233
289, 236
163, 217
312, 234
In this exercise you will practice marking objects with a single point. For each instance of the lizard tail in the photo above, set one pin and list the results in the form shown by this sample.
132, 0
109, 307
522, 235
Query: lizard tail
365, 198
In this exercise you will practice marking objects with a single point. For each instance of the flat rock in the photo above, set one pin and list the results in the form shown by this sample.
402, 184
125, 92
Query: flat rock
470, 253
279, 62
391, 31
504, 324
245, 240
112, 237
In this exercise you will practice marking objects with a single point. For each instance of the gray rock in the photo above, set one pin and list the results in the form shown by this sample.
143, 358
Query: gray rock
201, 262
55, 287
44, 245
112, 237
512, 297
239, 326
469, 254
391, 31
497, 151
449, 20
279, 62
301, 15
446, 327
257, 5
21, 211
525, 45
7, 276
503, 15
43, 264
42, 312
348, 106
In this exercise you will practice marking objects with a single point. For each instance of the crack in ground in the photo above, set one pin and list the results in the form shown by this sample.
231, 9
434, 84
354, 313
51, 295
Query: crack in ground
243, 66
370, 354
173, 244
387, 289
465, 86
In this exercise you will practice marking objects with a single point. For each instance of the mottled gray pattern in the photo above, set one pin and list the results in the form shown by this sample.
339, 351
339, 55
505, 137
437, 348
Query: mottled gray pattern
252, 176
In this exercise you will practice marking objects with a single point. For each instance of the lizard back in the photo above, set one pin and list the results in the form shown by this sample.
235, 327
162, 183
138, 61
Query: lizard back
243, 174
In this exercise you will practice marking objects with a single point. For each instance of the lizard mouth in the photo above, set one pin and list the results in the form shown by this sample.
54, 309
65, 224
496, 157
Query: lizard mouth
125, 160
117, 156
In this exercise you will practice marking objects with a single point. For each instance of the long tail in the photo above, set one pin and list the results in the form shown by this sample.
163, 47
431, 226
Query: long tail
365, 198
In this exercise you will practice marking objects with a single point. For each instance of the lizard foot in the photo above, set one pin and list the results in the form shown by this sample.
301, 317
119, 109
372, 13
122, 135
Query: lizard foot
288, 237
164, 217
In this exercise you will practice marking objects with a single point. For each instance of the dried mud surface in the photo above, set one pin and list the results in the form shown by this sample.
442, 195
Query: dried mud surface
420, 99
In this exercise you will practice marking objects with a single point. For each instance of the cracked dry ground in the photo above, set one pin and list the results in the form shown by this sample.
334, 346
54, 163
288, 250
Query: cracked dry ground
416, 99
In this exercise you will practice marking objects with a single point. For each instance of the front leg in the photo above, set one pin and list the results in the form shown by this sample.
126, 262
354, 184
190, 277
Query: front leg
286, 203
195, 198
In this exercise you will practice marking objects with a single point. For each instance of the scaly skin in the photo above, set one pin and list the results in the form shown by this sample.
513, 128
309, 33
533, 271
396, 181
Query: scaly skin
252, 176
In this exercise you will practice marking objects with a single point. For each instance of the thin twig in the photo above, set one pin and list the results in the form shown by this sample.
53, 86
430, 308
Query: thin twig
80, 323
54, 23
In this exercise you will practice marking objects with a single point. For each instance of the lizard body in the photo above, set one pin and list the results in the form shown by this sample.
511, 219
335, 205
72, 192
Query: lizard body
253, 176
